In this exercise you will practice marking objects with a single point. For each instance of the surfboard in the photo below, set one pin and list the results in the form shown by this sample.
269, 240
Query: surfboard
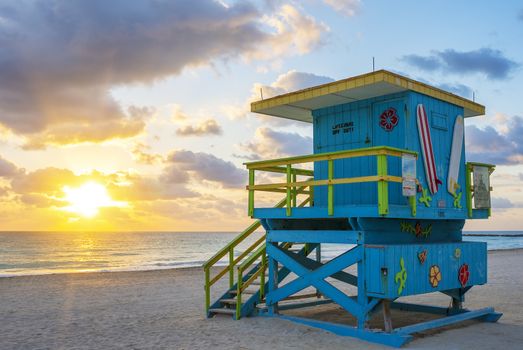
455, 156
426, 149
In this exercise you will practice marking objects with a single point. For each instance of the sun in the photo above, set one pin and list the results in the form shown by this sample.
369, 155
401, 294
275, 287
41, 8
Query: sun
87, 199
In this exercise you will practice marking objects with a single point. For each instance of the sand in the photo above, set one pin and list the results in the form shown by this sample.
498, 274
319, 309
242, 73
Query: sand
164, 310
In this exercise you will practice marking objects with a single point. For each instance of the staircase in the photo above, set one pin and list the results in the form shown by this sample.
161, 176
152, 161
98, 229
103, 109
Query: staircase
247, 271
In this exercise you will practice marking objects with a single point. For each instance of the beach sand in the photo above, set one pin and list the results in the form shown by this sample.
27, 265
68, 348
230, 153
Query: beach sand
164, 310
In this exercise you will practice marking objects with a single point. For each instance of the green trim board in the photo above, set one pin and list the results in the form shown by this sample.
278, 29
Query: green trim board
298, 105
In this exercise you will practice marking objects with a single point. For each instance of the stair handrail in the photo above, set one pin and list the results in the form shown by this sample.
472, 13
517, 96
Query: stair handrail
229, 249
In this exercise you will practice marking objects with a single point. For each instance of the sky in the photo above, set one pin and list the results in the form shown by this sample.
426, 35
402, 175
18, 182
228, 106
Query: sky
134, 115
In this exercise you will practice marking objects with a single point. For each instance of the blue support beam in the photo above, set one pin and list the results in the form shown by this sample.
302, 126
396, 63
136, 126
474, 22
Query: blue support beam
315, 278
313, 265
445, 321
390, 339
315, 236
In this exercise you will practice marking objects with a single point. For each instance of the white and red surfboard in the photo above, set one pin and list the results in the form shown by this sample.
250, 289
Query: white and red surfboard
426, 149
455, 155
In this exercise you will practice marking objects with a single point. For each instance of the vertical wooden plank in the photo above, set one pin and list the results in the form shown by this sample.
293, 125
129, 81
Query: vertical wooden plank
251, 192
468, 186
294, 195
273, 282
262, 276
207, 291
387, 319
412, 202
239, 293
289, 177
383, 195
330, 190
318, 259
231, 268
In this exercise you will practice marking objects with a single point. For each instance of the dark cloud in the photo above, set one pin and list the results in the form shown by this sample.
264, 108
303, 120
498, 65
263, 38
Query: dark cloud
458, 89
424, 63
204, 166
492, 63
489, 145
8, 169
271, 143
501, 203
206, 127
59, 59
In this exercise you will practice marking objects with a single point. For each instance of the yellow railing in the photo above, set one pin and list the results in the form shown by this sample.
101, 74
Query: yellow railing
284, 165
228, 250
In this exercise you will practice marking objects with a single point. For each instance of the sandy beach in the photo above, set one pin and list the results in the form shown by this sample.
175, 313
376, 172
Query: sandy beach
164, 310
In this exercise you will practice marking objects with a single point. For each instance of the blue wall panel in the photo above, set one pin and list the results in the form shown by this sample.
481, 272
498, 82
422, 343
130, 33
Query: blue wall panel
444, 255
357, 125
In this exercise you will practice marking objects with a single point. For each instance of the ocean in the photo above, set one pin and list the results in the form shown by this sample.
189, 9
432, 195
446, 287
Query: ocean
36, 253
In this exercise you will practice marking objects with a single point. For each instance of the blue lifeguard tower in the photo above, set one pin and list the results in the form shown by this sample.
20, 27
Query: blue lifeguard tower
388, 179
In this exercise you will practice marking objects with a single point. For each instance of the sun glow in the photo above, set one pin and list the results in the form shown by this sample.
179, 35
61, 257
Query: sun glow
87, 199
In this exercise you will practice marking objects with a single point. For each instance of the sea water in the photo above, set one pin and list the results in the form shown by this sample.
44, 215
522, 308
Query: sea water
35, 253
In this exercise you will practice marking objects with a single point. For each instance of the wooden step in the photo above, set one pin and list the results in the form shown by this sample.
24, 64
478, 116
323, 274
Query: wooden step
229, 301
223, 311
247, 291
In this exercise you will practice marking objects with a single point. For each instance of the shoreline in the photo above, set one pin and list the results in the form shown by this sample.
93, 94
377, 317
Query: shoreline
166, 268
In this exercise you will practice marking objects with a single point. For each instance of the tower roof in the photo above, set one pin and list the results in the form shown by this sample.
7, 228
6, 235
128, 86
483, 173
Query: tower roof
298, 105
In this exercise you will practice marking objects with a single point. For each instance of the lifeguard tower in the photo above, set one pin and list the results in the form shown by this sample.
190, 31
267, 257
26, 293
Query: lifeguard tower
388, 179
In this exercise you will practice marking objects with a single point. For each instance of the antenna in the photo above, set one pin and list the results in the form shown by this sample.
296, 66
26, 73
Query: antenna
261, 93
473, 96
373, 63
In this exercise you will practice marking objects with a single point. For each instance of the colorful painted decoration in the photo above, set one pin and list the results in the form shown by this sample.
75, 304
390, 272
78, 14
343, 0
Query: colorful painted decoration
457, 253
425, 198
455, 156
434, 276
422, 256
401, 276
416, 229
457, 199
427, 150
389, 119
463, 275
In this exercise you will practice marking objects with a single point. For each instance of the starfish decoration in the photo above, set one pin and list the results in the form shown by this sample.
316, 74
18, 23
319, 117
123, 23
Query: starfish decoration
425, 198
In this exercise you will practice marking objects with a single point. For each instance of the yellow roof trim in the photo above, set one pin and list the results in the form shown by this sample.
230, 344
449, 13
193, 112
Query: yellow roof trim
299, 104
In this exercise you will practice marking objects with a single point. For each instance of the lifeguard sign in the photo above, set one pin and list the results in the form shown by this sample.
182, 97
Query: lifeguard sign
389, 181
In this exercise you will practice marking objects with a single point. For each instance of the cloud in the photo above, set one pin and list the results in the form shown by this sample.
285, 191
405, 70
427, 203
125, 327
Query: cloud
457, 88
501, 203
8, 169
269, 143
59, 59
503, 146
142, 154
204, 166
206, 127
293, 31
492, 63
346, 7
287, 82
45, 187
